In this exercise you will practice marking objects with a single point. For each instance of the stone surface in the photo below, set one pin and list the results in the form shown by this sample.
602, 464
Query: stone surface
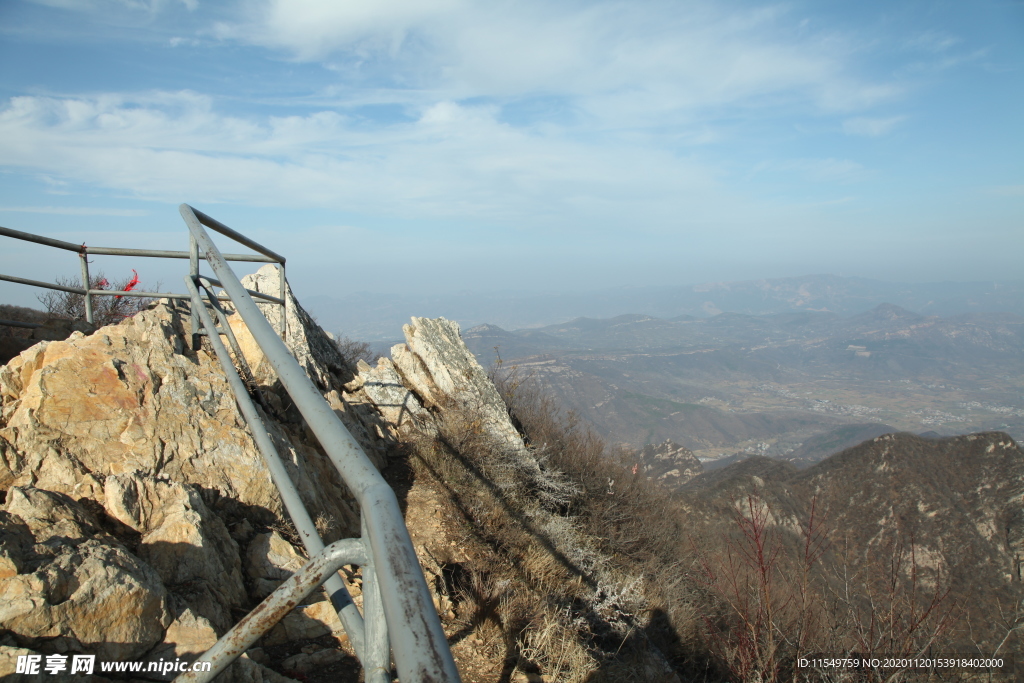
270, 560
310, 662
310, 345
304, 622
669, 462
72, 592
129, 397
435, 364
16, 545
50, 515
134, 398
399, 406
188, 636
182, 539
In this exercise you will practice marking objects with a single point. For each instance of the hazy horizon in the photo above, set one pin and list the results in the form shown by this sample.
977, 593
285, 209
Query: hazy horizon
401, 146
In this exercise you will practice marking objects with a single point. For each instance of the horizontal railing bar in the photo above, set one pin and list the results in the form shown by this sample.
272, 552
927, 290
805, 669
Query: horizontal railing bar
275, 606
37, 283
110, 292
137, 294
115, 251
18, 323
38, 239
214, 224
163, 253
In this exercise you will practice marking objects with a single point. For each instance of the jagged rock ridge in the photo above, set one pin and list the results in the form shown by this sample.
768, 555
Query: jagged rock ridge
133, 493
138, 519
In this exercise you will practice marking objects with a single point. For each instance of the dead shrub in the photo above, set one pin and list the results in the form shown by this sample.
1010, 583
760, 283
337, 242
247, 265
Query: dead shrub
106, 310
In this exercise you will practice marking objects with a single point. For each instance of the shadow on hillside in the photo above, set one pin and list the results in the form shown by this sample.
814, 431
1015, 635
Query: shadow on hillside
539, 536
462, 480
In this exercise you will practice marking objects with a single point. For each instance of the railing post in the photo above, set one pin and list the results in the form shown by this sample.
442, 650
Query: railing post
378, 648
420, 645
193, 272
86, 284
284, 306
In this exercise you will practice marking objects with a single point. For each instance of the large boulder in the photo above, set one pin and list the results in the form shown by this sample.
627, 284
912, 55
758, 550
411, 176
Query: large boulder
435, 364
75, 589
134, 397
129, 397
185, 542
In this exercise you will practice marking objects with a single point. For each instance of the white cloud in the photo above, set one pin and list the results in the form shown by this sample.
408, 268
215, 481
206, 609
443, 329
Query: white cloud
150, 6
818, 170
620, 61
871, 127
932, 41
454, 161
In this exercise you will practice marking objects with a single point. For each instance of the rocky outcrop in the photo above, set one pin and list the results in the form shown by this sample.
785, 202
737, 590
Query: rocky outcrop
139, 521
669, 463
516, 550
124, 462
435, 364
50, 329
74, 589
182, 539
270, 560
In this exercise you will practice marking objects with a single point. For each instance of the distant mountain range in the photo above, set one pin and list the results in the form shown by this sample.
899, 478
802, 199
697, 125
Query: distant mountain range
952, 505
372, 317
796, 385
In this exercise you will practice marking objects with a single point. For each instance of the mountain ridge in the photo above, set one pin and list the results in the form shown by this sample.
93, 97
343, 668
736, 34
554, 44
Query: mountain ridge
366, 315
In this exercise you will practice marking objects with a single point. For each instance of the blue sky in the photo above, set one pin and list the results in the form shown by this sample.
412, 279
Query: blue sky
455, 145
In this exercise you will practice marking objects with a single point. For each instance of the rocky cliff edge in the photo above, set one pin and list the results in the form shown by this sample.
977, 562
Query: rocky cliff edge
138, 521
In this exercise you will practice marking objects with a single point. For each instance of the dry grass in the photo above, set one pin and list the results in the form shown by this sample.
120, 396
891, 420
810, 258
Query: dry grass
583, 571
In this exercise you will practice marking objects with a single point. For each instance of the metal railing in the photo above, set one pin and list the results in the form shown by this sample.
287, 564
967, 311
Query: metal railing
83, 251
398, 613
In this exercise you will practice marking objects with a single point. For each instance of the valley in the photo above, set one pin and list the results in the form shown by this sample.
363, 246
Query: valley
796, 385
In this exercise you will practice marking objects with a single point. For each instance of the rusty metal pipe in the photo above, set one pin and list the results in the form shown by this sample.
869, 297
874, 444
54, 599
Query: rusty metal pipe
417, 638
348, 613
275, 606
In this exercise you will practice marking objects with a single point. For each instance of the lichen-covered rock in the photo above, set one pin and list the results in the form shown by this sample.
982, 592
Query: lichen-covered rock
182, 539
670, 463
435, 364
400, 407
244, 670
129, 397
16, 541
304, 622
72, 590
312, 348
188, 636
133, 397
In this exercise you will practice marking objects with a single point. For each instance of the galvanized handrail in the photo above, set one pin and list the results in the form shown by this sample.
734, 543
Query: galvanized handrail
275, 606
398, 609
83, 251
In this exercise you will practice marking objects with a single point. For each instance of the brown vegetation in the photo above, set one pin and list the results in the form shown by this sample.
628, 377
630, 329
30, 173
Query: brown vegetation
106, 310
583, 570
